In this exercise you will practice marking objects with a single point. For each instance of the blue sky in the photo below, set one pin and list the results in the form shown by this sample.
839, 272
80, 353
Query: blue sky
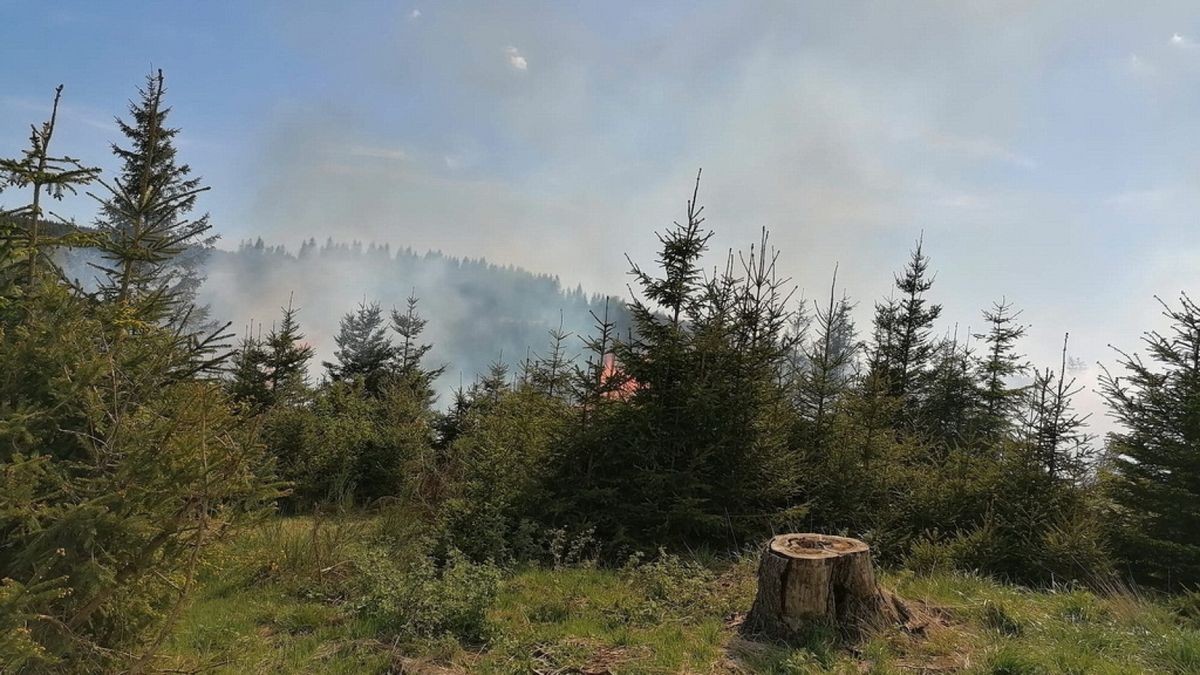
1049, 151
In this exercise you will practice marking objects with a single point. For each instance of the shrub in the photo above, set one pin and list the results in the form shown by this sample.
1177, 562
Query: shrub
414, 598
118, 474
671, 584
350, 445
496, 476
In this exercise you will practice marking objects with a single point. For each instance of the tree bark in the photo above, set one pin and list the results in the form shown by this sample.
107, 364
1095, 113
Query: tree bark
807, 579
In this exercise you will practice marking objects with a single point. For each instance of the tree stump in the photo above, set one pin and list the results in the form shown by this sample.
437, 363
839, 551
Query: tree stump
806, 579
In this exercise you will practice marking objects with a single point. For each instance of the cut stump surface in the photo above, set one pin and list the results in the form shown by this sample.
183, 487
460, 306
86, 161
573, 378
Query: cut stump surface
806, 579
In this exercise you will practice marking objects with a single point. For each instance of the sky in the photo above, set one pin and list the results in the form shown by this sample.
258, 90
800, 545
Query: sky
1048, 152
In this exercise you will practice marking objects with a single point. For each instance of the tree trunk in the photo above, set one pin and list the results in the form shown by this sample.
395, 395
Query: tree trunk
806, 579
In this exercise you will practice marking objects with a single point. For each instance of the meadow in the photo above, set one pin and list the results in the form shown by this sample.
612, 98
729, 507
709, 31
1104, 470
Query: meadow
288, 596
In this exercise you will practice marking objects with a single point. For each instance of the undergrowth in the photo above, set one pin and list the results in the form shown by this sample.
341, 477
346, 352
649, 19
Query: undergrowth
330, 595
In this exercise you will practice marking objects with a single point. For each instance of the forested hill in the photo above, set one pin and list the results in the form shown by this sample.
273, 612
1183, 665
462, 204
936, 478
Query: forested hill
478, 311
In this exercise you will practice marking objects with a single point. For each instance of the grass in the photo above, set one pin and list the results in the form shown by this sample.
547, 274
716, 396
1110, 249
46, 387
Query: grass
284, 598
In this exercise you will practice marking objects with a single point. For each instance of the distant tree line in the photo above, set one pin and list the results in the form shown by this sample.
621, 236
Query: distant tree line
484, 311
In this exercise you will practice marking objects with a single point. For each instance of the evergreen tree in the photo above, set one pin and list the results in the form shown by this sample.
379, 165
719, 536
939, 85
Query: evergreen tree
598, 378
152, 249
657, 449
491, 386
696, 449
272, 370
1053, 429
827, 361
248, 384
950, 410
1155, 457
286, 358
875, 379
23, 243
600, 386
551, 374
798, 364
120, 467
495, 476
449, 425
1000, 401
364, 352
903, 328
410, 352
679, 260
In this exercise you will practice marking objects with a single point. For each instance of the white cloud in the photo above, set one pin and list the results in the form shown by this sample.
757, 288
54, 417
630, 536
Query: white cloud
1180, 41
415, 14
515, 59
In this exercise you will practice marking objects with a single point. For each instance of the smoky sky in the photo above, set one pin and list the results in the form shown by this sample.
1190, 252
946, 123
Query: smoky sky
1047, 152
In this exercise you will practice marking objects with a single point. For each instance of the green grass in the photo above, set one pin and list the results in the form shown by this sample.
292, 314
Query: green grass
281, 599
260, 610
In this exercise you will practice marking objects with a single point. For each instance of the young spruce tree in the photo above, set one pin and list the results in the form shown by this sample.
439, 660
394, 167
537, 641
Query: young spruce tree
827, 363
152, 248
286, 359
1000, 400
697, 442
1155, 456
23, 242
410, 353
364, 352
903, 327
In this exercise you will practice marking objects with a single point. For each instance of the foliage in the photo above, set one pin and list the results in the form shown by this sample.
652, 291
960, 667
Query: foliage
411, 352
364, 351
23, 241
486, 490
415, 598
821, 370
134, 444
1000, 401
904, 345
1155, 458
286, 360
347, 444
123, 461
122, 509
698, 451
151, 248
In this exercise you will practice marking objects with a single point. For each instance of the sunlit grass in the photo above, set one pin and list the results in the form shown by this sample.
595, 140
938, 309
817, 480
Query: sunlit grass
272, 602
